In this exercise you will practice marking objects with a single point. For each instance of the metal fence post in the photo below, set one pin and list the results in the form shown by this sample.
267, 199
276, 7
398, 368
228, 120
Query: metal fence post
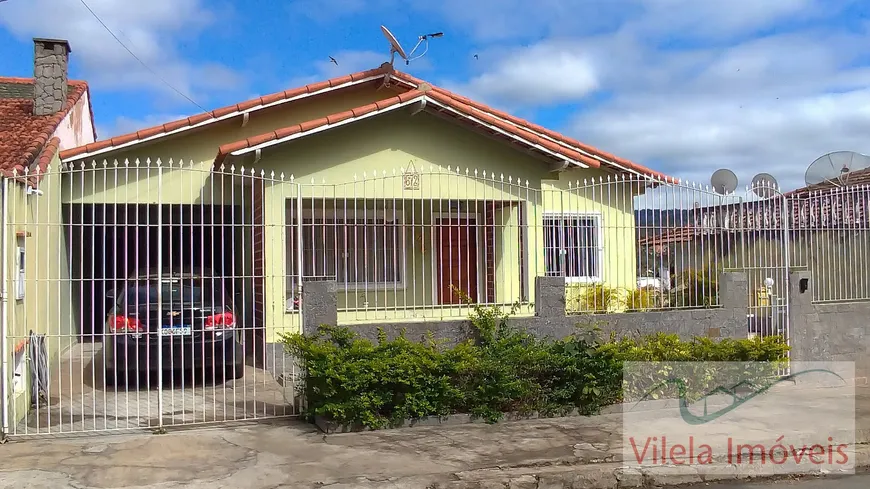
299, 252
159, 293
5, 373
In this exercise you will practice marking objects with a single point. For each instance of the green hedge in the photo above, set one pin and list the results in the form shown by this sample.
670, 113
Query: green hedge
353, 381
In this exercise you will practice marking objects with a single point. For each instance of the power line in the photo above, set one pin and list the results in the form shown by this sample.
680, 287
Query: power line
179, 92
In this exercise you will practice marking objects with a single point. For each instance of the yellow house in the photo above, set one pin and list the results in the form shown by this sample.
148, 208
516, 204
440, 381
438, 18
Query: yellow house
400, 191
413, 199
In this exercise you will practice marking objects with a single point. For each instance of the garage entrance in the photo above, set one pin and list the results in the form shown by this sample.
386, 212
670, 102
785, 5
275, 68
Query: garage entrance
110, 244
132, 315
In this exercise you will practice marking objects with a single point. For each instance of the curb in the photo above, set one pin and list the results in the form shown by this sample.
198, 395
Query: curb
590, 476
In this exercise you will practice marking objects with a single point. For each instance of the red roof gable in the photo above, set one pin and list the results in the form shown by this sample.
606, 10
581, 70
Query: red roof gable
23, 136
217, 114
533, 134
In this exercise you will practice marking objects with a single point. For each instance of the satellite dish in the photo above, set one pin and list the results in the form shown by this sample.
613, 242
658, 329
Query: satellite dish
835, 167
395, 47
724, 181
764, 185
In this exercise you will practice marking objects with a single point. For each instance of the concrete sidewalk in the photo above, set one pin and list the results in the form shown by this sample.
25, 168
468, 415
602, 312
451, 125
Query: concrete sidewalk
293, 454
553, 453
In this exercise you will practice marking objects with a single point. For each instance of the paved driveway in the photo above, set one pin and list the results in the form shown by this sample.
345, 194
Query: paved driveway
80, 400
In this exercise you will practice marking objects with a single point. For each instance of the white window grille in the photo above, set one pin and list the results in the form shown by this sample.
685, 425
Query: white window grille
360, 250
573, 246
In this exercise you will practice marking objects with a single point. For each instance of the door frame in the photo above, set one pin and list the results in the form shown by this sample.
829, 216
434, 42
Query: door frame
436, 218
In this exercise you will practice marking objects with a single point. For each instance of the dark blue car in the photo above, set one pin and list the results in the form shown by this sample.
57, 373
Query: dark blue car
172, 321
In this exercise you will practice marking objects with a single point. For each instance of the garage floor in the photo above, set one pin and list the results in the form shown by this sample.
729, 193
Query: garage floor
79, 402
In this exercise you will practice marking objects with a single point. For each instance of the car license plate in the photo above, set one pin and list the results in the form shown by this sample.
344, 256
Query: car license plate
175, 330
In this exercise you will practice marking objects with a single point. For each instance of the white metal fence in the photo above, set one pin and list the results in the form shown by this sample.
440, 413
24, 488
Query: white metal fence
832, 239
136, 299
119, 271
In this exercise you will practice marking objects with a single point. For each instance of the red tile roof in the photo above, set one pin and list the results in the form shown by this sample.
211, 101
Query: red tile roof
277, 134
40, 165
533, 134
680, 234
529, 137
565, 140
230, 110
24, 136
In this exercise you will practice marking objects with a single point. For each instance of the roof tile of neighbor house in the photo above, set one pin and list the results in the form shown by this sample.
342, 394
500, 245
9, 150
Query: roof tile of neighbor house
24, 137
531, 134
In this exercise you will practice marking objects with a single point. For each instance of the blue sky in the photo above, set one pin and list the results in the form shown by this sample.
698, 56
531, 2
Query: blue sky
684, 86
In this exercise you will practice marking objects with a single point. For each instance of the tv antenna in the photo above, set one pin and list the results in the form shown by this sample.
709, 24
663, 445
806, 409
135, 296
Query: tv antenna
763, 185
835, 167
723, 181
396, 48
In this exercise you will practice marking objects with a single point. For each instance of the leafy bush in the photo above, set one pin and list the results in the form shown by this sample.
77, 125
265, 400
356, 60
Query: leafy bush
643, 299
699, 363
597, 298
353, 381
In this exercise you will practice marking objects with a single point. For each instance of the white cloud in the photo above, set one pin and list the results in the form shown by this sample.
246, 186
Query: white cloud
688, 87
690, 18
542, 74
523, 20
773, 105
151, 29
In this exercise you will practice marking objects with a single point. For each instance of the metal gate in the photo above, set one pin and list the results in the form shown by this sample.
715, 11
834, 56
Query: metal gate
694, 233
766, 247
142, 295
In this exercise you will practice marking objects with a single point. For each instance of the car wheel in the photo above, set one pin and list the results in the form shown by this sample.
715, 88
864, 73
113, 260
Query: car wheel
237, 371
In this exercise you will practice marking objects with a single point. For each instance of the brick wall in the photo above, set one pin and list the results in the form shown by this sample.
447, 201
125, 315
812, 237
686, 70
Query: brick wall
259, 237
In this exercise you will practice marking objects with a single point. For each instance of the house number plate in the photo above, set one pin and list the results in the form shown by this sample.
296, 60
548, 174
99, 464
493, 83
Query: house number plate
411, 181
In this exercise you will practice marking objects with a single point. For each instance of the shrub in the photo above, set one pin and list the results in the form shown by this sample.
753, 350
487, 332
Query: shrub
350, 379
643, 299
700, 362
597, 298
353, 381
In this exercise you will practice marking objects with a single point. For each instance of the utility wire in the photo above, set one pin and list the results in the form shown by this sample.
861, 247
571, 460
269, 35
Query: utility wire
179, 92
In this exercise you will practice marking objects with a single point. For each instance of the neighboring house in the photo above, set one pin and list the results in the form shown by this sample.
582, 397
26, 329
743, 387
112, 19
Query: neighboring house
39, 117
827, 231
399, 190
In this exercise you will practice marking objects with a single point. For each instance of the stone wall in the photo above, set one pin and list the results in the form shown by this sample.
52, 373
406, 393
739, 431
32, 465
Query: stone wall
827, 332
551, 320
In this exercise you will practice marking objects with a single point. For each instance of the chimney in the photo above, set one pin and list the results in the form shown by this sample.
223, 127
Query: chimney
50, 61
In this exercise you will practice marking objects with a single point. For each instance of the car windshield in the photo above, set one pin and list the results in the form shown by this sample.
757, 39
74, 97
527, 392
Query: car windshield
188, 292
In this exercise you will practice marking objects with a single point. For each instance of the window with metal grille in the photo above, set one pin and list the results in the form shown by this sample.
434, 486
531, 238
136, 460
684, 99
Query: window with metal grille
357, 252
572, 246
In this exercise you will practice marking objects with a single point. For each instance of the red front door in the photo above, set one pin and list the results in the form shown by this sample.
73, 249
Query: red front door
457, 259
